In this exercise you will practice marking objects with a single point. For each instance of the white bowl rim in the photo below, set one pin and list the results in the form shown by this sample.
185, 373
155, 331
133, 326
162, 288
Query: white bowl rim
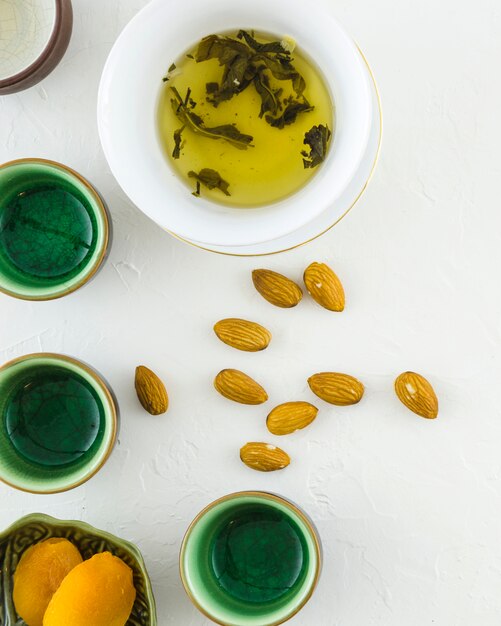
197, 219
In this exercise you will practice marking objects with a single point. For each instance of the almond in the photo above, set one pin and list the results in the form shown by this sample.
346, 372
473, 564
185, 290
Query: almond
277, 289
417, 394
237, 386
264, 457
242, 334
151, 391
335, 388
290, 416
324, 286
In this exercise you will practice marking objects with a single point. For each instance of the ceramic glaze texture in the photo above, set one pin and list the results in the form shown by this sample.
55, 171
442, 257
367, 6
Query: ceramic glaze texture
25, 29
250, 559
58, 423
408, 510
258, 555
54, 230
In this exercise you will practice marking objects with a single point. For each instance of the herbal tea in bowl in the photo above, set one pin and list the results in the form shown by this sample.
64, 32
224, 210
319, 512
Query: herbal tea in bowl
250, 559
239, 122
245, 82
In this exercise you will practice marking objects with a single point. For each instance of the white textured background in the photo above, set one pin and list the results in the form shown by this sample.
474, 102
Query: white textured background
409, 510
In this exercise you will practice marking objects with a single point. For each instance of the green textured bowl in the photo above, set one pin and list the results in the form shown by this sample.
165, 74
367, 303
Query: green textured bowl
35, 411
89, 541
55, 230
251, 538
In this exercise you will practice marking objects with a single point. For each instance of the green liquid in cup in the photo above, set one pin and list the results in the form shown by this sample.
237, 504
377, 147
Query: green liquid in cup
53, 417
48, 231
258, 555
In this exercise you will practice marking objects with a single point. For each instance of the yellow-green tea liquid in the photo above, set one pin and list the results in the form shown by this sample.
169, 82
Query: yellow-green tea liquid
270, 170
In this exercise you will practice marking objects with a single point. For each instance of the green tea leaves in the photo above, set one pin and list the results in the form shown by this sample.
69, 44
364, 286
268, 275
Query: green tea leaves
318, 139
270, 102
176, 153
289, 116
229, 132
210, 179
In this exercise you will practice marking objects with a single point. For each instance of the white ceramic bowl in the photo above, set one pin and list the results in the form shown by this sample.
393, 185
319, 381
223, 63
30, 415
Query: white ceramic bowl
334, 212
127, 114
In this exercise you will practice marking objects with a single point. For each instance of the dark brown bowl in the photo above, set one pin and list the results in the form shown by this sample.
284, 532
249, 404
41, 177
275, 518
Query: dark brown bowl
50, 56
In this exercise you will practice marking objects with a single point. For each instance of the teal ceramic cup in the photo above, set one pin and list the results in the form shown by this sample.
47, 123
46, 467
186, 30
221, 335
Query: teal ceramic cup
250, 559
54, 230
58, 423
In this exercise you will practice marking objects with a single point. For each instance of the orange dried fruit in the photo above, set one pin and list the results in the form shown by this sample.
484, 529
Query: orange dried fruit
98, 592
40, 571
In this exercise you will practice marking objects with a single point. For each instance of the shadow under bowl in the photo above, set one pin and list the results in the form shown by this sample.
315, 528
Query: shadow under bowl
37, 527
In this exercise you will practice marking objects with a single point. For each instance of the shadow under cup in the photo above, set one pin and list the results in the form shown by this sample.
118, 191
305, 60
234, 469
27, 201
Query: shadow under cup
250, 559
54, 230
58, 423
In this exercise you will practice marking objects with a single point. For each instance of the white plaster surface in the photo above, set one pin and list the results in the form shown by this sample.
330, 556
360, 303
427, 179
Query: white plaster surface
409, 510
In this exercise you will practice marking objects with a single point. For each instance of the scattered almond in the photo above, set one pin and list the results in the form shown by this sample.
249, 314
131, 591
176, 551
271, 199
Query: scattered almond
151, 391
417, 394
264, 457
237, 386
324, 286
335, 388
276, 288
291, 416
242, 334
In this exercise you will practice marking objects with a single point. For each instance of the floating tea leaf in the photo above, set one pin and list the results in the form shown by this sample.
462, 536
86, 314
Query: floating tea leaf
210, 179
176, 153
317, 138
289, 116
229, 132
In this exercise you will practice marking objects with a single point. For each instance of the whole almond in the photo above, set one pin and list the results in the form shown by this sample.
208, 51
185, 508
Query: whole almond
237, 386
151, 391
335, 388
277, 289
324, 286
417, 394
242, 334
291, 416
264, 457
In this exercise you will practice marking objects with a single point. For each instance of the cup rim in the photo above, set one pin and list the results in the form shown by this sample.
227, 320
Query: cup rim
112, 404
267, 495
100, 206
36, 64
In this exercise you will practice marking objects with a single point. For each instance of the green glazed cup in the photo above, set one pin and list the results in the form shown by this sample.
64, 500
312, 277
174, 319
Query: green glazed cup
38, 527
55, 230
58, 423
250, 559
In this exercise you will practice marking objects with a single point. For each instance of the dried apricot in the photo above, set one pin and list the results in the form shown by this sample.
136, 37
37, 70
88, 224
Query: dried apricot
98, 592
38, 575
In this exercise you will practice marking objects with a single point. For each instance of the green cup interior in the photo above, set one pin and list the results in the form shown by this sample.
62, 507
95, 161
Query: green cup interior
37, 237
23, 473
202, 586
